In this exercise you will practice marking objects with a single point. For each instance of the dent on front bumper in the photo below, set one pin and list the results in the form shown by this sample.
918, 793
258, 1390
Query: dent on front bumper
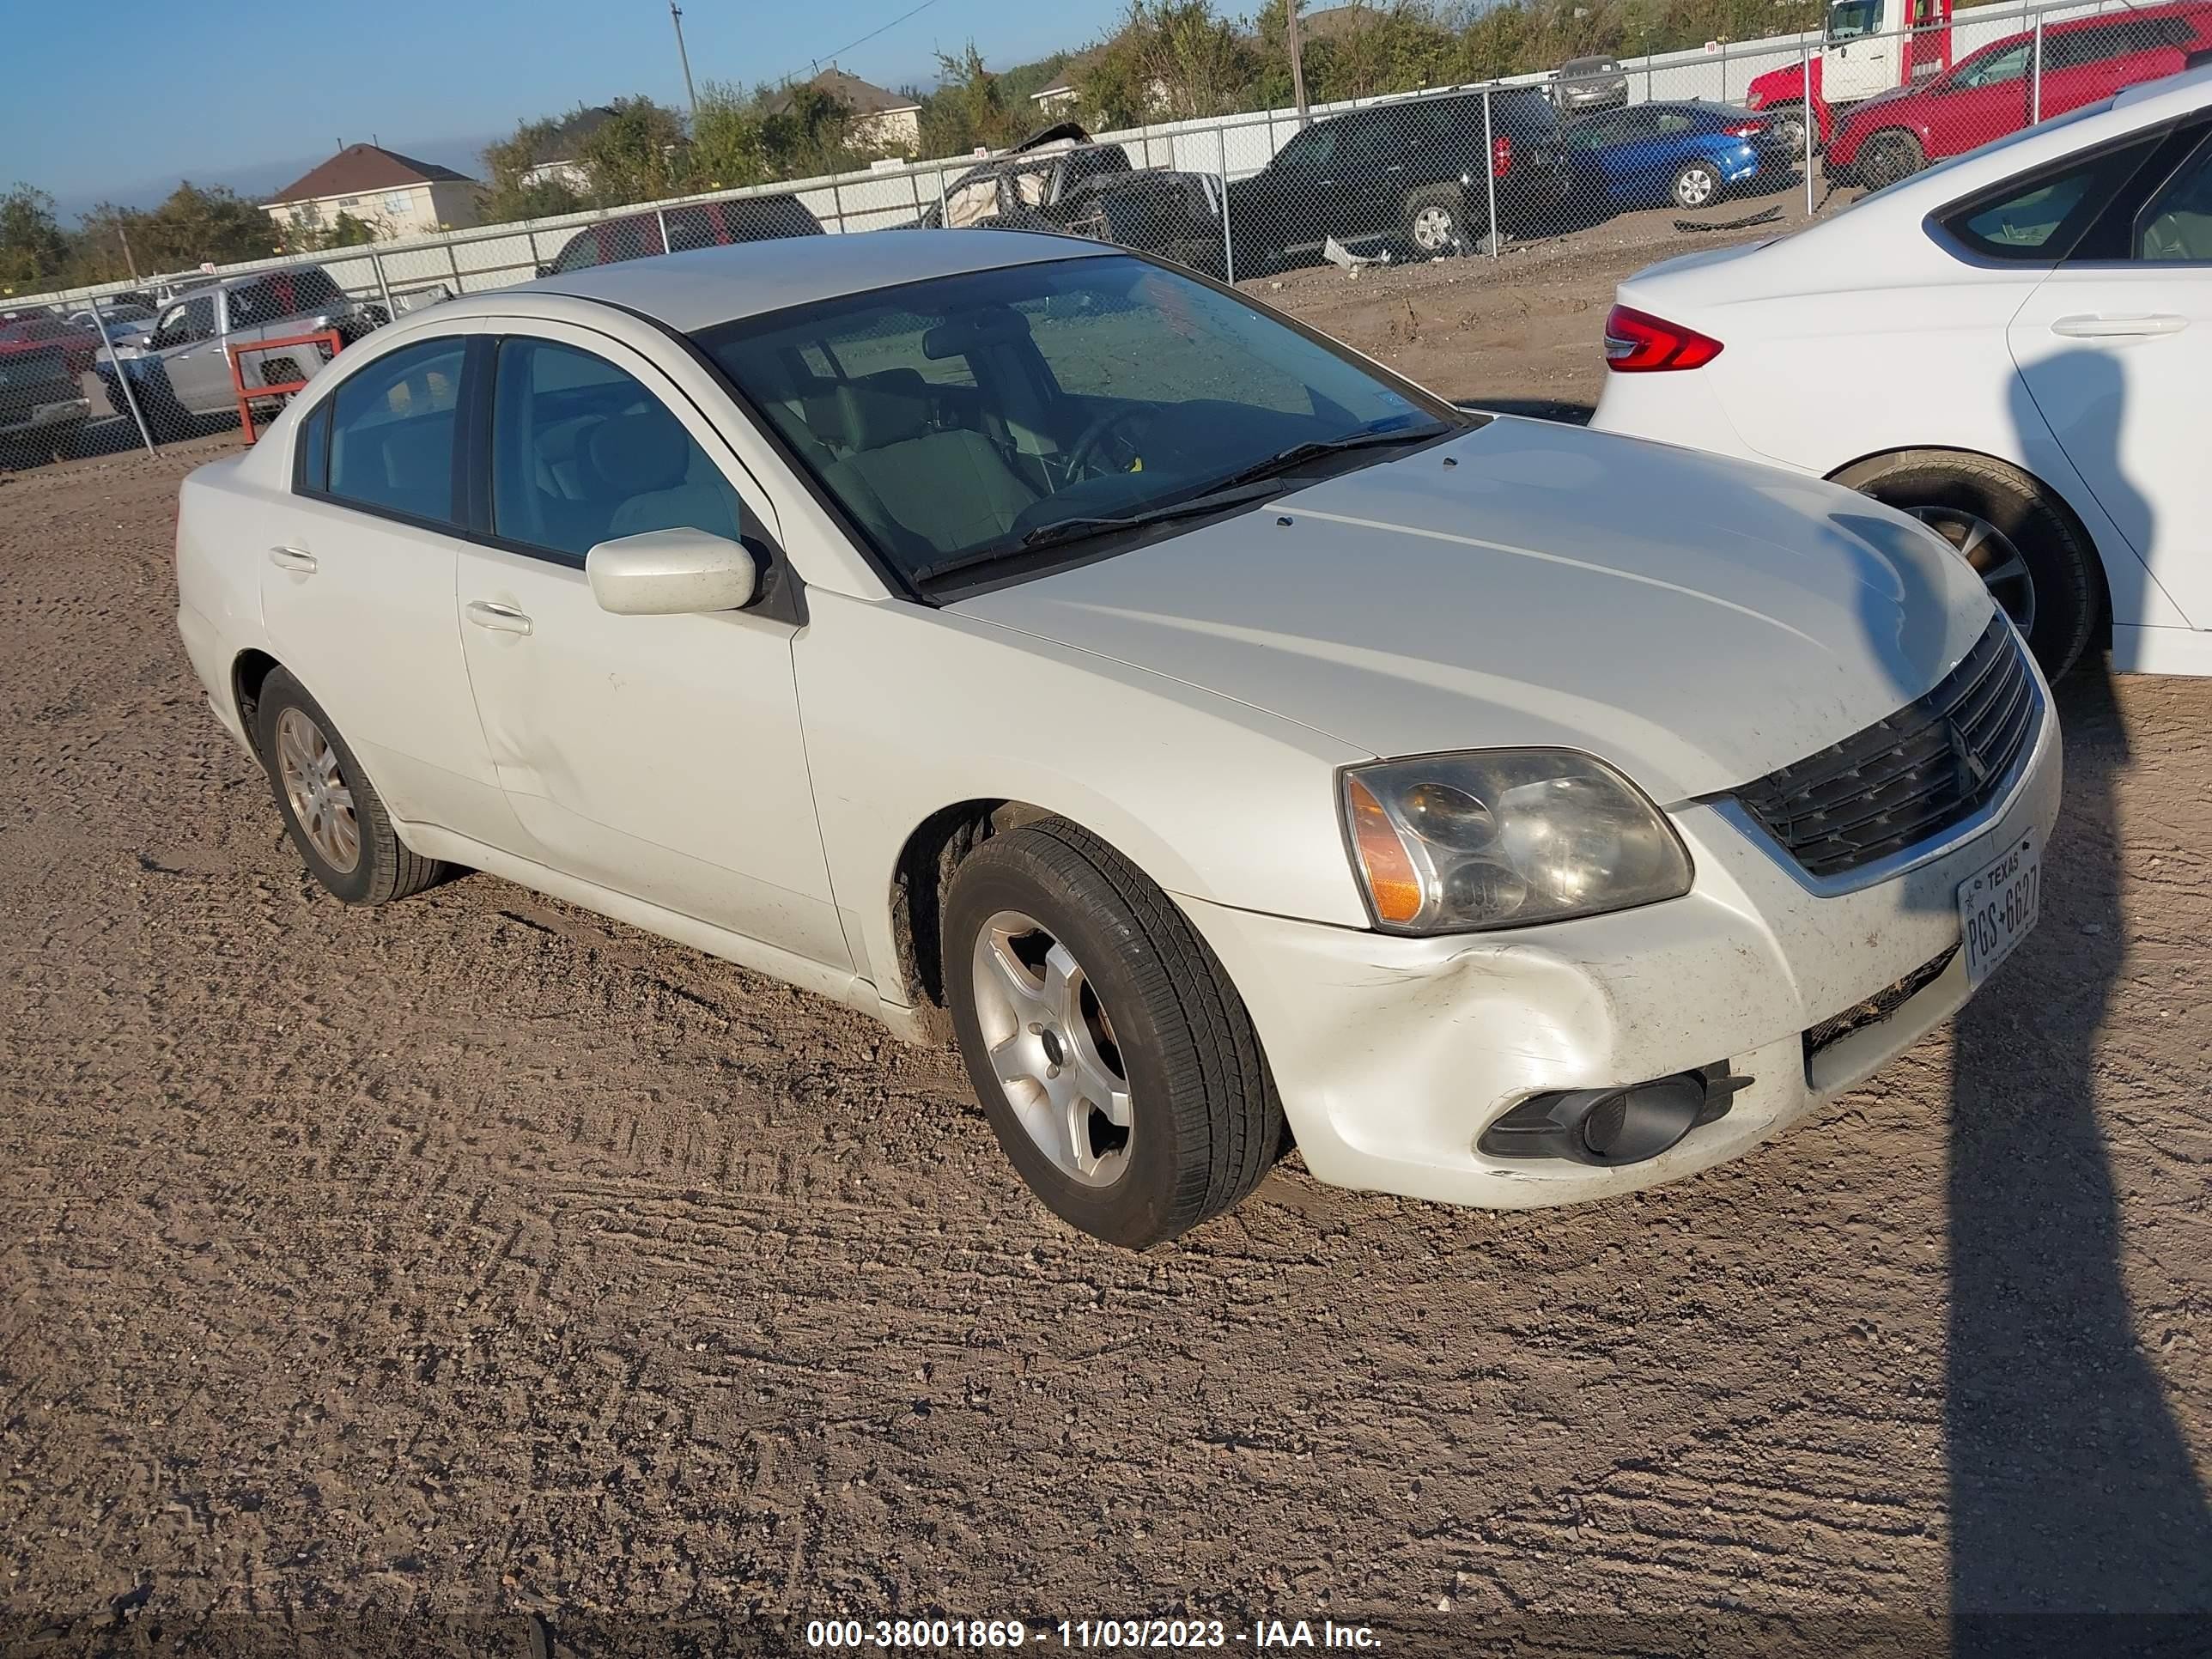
1392, 1055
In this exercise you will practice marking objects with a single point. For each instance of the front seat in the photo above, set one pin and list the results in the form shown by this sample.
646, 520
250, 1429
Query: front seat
949, 489
652, 457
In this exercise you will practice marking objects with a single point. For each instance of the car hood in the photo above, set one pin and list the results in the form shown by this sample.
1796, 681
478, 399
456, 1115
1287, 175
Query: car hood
1697, 622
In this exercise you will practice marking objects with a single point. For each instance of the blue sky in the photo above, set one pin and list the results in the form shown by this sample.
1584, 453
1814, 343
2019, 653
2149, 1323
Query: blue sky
251, 93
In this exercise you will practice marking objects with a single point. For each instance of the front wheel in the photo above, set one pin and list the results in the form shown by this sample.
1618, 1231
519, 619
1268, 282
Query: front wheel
1115, 1062
2026, 548
1890, 157
1788, 124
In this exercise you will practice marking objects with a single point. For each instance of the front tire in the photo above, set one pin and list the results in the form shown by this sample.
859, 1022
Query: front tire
332, 812
1114, 1059
1890, 157
2028, 550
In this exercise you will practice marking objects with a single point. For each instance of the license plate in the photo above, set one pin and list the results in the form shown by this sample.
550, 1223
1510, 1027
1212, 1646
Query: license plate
1997, 907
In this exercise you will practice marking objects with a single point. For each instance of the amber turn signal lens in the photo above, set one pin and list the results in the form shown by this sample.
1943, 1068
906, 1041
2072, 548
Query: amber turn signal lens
1392, 881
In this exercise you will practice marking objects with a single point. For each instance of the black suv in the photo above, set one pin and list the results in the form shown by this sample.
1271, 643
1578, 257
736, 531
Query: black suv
1409, 175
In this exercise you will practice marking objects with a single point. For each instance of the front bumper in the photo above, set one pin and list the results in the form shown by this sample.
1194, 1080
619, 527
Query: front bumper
1393, 1055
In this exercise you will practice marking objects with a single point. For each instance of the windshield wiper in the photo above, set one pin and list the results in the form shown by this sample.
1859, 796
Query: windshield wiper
1298, 454
1214, 498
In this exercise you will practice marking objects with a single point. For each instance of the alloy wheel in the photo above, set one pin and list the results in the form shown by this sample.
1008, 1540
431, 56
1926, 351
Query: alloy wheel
1992, 555
1695, 187
322, 804
1052, 1049
1432, 229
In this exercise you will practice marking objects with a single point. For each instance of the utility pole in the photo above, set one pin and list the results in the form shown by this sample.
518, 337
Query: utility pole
690, 93
124, 237
1298, 60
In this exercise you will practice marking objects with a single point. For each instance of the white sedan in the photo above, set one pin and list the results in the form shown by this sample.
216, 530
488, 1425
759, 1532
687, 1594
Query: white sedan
2015, 346
1229, 743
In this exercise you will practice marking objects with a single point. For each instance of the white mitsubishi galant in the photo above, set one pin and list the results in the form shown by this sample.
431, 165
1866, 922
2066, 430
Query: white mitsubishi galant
1233, 744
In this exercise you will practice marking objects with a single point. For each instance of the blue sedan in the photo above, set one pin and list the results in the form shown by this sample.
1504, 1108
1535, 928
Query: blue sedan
1689, 154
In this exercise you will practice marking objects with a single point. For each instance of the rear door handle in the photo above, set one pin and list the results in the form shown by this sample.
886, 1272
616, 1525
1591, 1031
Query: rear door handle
2091, 327
500, 618
293, 558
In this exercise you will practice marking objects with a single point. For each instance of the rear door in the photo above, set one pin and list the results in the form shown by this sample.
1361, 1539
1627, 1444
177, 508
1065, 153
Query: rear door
357, 582
2117, 352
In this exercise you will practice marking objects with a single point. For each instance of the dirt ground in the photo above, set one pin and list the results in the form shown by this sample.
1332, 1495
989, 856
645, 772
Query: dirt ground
479, 1256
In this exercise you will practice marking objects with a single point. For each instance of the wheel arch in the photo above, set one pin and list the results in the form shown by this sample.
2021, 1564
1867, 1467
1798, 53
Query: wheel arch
1853, 474
249, 671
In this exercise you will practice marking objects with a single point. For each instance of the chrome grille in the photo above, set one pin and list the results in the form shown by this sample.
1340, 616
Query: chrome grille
1934, 762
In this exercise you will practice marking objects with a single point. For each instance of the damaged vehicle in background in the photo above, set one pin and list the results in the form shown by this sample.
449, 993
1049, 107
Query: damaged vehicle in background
1232, 744
1057, 179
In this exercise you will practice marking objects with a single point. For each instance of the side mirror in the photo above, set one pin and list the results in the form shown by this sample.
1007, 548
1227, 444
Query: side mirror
670, 573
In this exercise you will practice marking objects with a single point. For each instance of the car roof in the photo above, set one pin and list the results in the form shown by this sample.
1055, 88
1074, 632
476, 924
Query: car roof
690, 291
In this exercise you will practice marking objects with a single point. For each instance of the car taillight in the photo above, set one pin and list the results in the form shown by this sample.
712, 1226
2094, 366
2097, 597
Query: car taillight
1501, 156
1745, 130
1636, 341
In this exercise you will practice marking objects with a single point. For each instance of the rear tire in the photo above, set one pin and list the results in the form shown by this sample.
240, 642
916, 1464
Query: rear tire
2035, 560
1699, 184
1789, 122
1151, 1021
1435, 221
332, 812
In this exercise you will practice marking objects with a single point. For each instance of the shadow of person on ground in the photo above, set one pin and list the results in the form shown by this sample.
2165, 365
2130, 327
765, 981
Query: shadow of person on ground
2071, 1486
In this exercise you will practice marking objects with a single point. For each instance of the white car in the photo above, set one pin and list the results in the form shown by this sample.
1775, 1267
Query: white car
1012, 636
2015, 346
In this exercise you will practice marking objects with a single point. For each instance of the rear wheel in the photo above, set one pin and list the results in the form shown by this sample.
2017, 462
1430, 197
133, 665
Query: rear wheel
1696, 186
1788, 124
1889, 156
1115, 1062
1435, 221
331, 809
2028, 551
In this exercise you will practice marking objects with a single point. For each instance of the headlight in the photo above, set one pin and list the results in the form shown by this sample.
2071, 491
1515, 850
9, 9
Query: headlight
1505, 837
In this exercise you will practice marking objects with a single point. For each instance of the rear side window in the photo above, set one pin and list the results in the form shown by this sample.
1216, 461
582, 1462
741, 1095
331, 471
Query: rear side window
393, 427
2176, 228
2039, 218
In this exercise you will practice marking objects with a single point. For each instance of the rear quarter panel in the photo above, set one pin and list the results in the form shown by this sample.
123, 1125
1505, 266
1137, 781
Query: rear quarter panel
223, 517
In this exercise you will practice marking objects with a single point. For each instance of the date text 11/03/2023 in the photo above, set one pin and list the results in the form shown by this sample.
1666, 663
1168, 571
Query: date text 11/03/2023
1086, 1635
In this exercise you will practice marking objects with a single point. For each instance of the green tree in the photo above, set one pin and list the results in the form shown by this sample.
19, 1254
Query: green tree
198, 226
511, 194
1170, 60
32, 249
637, 153
970, 108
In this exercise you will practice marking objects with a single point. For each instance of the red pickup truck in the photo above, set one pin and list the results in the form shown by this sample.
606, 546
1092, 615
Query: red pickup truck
1997, 90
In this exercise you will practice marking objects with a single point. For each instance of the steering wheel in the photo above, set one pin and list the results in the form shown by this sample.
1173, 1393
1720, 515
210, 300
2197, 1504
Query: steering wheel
1083, 454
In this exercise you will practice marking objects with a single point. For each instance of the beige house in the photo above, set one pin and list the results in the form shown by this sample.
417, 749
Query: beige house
395, 195
883, 121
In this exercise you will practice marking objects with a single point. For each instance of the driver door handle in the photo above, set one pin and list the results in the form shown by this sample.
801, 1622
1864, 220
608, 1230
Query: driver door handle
500, 618
2091, 326
293, 558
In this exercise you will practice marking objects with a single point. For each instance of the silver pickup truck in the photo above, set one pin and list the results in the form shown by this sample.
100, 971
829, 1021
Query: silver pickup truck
180, 369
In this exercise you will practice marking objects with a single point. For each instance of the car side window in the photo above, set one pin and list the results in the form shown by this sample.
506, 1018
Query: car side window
1672, 121
2045, 216
1311, 151
2010, 64
582, 453
393, 426
581, 253
188, 321
1371, 142
2176, 226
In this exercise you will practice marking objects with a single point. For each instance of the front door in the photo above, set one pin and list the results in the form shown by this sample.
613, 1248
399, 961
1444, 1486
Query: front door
2118, 357
189, 344
357, 569
661, 756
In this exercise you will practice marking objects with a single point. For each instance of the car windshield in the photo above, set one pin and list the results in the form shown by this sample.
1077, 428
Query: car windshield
969, 418
1849, 18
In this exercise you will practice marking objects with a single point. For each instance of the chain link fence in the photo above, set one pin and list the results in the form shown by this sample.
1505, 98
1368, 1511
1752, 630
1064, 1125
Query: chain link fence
1684, 142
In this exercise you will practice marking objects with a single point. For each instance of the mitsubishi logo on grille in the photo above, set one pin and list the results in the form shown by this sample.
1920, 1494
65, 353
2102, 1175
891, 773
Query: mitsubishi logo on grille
1976, 769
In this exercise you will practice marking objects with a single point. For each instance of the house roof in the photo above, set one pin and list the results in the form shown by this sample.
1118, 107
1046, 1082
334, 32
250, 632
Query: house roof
1334, 22
1064, 82
861, 97
359, 168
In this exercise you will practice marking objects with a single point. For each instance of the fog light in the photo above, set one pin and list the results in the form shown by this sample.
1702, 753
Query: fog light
1610, 1127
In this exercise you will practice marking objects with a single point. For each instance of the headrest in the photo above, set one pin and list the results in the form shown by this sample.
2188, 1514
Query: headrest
971, 331
863, 417
645, 451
